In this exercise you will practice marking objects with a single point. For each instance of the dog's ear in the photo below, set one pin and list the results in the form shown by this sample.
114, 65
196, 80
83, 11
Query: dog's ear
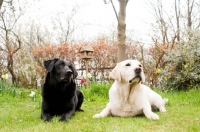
75, 74
115, 73
48, 64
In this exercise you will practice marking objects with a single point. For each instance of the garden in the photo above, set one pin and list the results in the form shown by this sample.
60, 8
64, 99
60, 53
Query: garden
169, 51
21, 108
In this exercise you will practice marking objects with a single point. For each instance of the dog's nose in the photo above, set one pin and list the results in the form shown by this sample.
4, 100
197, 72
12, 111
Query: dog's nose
69, 72
137, 70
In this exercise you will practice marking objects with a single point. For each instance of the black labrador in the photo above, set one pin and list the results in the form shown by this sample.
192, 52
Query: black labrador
59, 94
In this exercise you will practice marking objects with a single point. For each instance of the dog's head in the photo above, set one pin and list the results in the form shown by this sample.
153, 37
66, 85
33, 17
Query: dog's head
128, 71
61, 70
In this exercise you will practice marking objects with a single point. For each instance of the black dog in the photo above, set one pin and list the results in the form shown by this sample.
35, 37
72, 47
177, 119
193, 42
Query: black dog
59, 93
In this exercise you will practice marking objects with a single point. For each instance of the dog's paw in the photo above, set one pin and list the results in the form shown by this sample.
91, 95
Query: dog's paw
63, 119
96, 116
162, 110
46, 117
153, 116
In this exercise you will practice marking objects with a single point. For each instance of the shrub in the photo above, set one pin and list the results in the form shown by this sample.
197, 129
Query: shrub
182, 70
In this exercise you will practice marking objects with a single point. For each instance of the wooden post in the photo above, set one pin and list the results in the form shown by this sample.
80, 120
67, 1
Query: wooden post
85, 50
86, 66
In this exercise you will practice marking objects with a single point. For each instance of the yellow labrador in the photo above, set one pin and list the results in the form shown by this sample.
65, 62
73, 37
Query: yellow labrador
128, 97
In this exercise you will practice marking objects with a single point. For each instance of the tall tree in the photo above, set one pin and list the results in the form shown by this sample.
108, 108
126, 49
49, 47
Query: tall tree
121, 17
177, 14
8, 1
9, 38
1, 2
65, 25
190, 5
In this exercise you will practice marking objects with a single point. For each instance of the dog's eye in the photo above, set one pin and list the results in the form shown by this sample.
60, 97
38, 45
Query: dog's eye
60, 65
140, 65
128, 64
70, 67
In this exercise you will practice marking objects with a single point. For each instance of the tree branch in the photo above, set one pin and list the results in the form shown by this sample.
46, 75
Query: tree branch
115, 11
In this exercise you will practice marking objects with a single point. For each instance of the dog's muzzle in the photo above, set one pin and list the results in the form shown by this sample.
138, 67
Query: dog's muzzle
137, 75
67, 77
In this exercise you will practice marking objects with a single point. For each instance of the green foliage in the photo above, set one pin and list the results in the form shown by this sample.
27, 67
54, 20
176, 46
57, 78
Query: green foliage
14, 91
6, 88
23, 114
96, 90
183, 64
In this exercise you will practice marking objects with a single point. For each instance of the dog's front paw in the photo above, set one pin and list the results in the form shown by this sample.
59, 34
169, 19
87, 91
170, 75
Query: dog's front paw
96, 116
63, 118
46, 117
162, 110
153, 116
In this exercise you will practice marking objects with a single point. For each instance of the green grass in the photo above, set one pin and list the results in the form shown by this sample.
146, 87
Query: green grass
22, 114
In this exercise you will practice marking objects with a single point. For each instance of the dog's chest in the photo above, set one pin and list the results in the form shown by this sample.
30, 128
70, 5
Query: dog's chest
125, 103
58, 94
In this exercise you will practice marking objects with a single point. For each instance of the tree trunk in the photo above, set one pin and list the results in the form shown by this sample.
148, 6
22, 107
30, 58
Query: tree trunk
1, 2
190, 5
121, 54
11, 70
177, 13
10, 57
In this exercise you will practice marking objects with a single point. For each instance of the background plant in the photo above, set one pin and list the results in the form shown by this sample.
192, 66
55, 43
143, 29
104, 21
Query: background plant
174, 29
182, 69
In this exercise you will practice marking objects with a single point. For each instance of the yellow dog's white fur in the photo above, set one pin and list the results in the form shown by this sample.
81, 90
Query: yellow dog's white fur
127, 96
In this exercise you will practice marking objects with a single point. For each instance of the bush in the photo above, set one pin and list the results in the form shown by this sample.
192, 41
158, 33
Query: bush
182, 71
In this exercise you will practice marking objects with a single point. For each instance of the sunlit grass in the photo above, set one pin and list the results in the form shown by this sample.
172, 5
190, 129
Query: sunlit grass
22, 114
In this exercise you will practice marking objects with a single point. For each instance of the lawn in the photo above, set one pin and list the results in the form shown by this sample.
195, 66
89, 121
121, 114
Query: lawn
22, 114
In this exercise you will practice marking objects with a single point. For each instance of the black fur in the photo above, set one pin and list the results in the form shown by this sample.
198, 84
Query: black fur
59, 94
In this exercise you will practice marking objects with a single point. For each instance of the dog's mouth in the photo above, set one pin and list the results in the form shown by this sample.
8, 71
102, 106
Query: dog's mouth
137, 79
65, 80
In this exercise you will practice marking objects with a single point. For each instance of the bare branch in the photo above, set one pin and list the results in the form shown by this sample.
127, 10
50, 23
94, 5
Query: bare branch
19, 42
115, 11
